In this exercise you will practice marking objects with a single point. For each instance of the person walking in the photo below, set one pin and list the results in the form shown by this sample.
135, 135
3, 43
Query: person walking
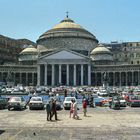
75, 115
85, 107
53, 110
48, 110
71, 108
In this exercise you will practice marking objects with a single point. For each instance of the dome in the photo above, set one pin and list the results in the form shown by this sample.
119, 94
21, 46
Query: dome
30, 49
69, 35
67, 27
101, 55
101, 50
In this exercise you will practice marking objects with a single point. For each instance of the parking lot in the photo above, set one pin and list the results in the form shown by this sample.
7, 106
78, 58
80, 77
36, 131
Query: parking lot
101, 123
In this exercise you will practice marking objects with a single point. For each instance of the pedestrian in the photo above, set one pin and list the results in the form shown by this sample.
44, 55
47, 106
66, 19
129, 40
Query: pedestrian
48, 110
53, 110
75, 115
85, 107
71, 108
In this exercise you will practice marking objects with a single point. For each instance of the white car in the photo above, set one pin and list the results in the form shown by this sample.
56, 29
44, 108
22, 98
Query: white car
36, 103
67, 102
16, 103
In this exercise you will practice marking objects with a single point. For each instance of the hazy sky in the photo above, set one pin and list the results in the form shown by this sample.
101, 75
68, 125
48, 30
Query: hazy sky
108, 20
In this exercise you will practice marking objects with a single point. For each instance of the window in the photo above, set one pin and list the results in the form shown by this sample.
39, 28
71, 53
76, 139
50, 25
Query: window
131, 62
137, 62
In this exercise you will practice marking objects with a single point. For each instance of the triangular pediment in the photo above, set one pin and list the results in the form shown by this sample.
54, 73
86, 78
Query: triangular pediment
63, 54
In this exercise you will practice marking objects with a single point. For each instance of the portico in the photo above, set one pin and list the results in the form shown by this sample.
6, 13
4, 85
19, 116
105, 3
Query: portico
64, 68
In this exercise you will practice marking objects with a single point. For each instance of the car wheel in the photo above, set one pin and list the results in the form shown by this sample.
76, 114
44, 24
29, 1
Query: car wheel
25, 107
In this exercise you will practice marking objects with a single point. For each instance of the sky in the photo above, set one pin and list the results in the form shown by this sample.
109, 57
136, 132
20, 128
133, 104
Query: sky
108, 20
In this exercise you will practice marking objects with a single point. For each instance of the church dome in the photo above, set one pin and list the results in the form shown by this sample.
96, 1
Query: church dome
101, 55
30, 49
69, 35
100, 50
29, 55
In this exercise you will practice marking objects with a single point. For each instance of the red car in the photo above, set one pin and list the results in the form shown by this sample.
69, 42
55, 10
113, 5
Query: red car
133, 100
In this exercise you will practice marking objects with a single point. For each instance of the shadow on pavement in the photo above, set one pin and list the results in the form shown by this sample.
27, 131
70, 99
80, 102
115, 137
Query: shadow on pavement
2, 131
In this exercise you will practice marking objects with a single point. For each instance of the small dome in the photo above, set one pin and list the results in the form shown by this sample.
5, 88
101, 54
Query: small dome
29, 50
100, 50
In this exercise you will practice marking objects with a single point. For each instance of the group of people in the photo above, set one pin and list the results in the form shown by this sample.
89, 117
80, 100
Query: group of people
73, 108
51, 109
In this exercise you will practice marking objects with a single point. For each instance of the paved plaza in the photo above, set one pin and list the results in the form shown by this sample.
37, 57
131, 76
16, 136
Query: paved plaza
101, 123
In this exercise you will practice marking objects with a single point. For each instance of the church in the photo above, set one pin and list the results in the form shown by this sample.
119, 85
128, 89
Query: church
68, 54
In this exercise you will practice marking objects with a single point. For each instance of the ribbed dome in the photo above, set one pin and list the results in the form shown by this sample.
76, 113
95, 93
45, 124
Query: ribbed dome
67, 27
67, 23
100, 50
30, 49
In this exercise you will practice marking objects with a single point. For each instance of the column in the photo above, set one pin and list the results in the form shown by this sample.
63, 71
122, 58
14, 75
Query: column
52, 74
89, 75
74, 75
102, 79
126, 79
95, 78
132, 78
120, 79
20, 77
14, 78
33, 79
114, 79
82, 82
38, 75
26, 79
60, 73
67, 74
2, 76
138, 77
45, 74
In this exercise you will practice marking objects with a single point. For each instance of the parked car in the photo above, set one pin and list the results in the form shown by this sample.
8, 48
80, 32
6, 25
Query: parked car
115, 103
133, 100
36, 103
16, 103
3, 103
122, 102
67, 102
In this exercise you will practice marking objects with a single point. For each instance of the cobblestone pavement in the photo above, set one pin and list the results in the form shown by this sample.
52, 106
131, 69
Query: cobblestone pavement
101, 123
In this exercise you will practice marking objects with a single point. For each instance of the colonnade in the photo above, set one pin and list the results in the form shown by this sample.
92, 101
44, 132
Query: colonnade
129, 78
25, 78
64, 74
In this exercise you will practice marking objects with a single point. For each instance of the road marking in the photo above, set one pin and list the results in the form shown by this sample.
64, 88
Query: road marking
12, 138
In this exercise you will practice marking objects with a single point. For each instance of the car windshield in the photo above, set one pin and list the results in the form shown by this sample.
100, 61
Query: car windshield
36, 99
15, 99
